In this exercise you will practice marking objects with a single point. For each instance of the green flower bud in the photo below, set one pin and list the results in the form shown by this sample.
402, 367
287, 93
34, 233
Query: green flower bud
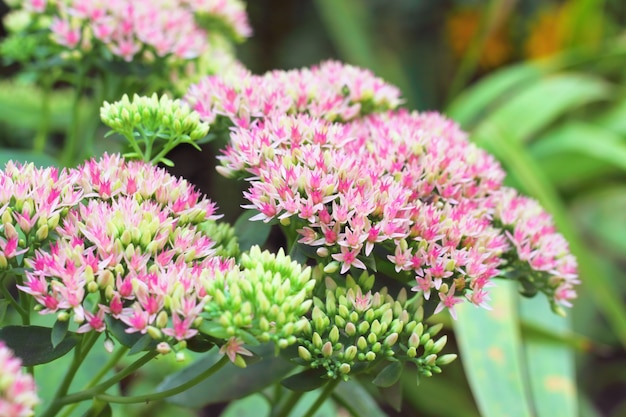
304, 353
350, 329
317, 340
361, 343
363, 327
370, 356
344, 368
154, 333
372, 338
162, 319
333, 336
433, 330
42, 232
327, 349
92, 287
430, 360
350, 353
439, 345
331, 267
391, 339
445, 359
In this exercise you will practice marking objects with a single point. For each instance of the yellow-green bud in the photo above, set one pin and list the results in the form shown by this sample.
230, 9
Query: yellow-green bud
370, 356
391, 339
162, 319
439, 345
42, 232
333, 336
344, 368
350, 329
361, 343
317, 340
92, 287
350, 353
155, 333
304, 353
430, 359
445, 359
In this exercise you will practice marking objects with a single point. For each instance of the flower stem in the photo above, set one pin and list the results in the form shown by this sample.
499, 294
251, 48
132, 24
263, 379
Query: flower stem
69, 148
39, 143
291, 401
328, 390
17, 306
95, 390
167, 393
80, 353
113, 360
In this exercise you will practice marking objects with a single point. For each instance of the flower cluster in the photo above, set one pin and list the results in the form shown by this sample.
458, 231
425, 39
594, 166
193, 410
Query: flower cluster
153, 125
156, 39
32, 202
332, 91
264, 301
354, 330
130, 249
543, 261
18, 393
399, 187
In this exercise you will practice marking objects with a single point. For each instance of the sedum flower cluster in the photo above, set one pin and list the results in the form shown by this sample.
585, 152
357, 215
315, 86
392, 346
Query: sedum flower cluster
331, 91
353, 329
153, 125
395, 191
158, 34
125, 243
18, 393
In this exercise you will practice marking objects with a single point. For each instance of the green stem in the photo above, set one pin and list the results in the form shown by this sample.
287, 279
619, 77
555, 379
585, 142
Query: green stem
328, 389
17, 306
94, 391
71, 143
113, 360
287, 407
39, 143
167, 393
80, 353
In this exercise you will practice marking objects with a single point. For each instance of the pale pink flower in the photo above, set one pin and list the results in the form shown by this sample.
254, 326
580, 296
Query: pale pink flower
18, 393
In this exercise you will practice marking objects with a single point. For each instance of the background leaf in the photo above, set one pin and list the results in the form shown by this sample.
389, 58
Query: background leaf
491, 351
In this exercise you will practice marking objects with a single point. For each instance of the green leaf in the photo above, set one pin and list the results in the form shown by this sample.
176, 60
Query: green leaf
213, 329
59, 331
230, 382
251, 406
491, 351
250, 233
528, 112
352, 396
393, 395
33, 344
307, 380
389, 375
141, 344
550, 365
474, 101
585, 139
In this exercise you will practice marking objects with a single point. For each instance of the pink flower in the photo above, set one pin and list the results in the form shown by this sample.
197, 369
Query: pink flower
234, 347
18, 393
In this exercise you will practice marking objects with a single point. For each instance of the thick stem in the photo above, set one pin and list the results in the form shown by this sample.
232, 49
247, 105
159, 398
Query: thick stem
17, 306
328, 389
286, 408
167, 393
39, 143
69, 149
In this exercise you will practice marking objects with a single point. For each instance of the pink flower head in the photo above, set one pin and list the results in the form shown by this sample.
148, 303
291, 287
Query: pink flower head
331, 90
18, 393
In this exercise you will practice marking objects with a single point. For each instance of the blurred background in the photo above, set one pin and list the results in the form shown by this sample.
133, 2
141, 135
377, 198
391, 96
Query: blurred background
542, 85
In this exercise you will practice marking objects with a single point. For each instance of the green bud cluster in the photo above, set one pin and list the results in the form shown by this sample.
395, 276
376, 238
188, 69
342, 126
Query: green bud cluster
353, 330
264, 301
223, 234
153, 124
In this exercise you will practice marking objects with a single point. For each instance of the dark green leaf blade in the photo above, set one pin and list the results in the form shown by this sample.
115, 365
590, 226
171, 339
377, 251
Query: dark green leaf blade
250, 233
33, 344
307, 380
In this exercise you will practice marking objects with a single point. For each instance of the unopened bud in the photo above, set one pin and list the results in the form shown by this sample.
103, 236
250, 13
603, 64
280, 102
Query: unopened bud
327, 349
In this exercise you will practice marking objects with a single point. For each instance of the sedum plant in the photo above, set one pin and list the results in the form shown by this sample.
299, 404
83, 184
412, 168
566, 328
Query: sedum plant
389, 220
